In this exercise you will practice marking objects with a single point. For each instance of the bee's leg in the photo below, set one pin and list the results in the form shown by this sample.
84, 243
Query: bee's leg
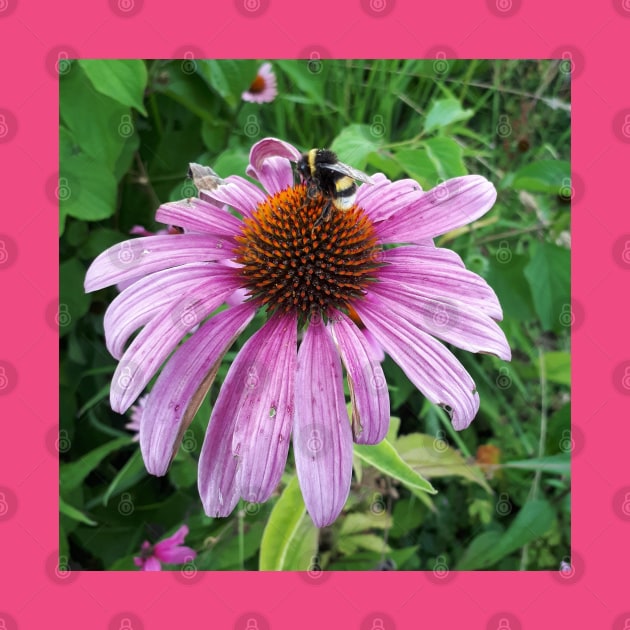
325, 215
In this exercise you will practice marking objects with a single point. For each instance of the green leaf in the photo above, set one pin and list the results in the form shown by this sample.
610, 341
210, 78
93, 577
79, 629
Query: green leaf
351, 544
99, 126
422, 453
124, 80
290, 539
302, 80
506, 275
549, 276
354, 144
558, 367
533, 521
72, 475
229, 77
126, 477
446, 156
559, 463
547, 176
479, 549
87, 188
417, 164
183, 471
73, 301
444, 112
357, 522
74, 514
385, 458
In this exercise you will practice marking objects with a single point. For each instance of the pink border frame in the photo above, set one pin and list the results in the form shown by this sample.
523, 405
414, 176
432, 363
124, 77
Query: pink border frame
34, 592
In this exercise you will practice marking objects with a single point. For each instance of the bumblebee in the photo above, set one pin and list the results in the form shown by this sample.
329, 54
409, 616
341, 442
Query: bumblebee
323, 173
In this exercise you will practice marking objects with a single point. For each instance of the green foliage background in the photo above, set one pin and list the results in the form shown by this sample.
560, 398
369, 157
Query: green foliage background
128, 130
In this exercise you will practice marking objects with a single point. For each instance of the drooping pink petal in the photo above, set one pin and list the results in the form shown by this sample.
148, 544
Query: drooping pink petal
368, 388
428, 364
270, 163
452, 204
237, 192
140, 256
196, 215
160, 337
182, 384
263, 374
440, 273
463, 326
150, 295
322, 439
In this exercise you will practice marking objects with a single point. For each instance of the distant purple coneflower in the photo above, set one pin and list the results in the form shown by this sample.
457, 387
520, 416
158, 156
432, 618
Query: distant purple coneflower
335, 292
263, 88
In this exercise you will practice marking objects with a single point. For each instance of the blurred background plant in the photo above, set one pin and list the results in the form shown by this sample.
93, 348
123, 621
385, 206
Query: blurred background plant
128, 130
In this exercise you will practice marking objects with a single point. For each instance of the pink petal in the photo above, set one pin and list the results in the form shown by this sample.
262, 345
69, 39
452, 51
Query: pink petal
428, 364
149, 296
458, 324
161, 336
175, 555
262, 376
452, 204
270, 163
182, 384
387, 199
196, 215
141, 256
322, 439
368, 388
236, 192
152, 564
440, 274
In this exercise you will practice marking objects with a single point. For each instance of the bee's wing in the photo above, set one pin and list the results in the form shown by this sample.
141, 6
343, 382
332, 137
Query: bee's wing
340, 167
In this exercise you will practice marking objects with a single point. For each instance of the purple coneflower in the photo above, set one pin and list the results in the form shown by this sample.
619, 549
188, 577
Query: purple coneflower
171, 550
136, 412
263, 88
334, 293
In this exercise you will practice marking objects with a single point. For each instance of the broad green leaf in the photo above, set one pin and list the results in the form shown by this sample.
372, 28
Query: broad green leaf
99, 126
547, 176
357, 522
533, 520
351, 544
183, 471
124, 80
126, 477
74, 514
385, 458
549, 276
354, 144
446, 156
558, 367
506, 275
227, 555
290, 539
418, 165
87, 188
436, 459
443, 112
73, 301
302, 80
479, 549
559, 463
229, 77
72, 475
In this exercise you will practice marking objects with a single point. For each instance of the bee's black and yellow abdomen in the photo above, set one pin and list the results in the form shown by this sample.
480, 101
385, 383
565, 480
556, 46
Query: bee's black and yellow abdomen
345, 192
